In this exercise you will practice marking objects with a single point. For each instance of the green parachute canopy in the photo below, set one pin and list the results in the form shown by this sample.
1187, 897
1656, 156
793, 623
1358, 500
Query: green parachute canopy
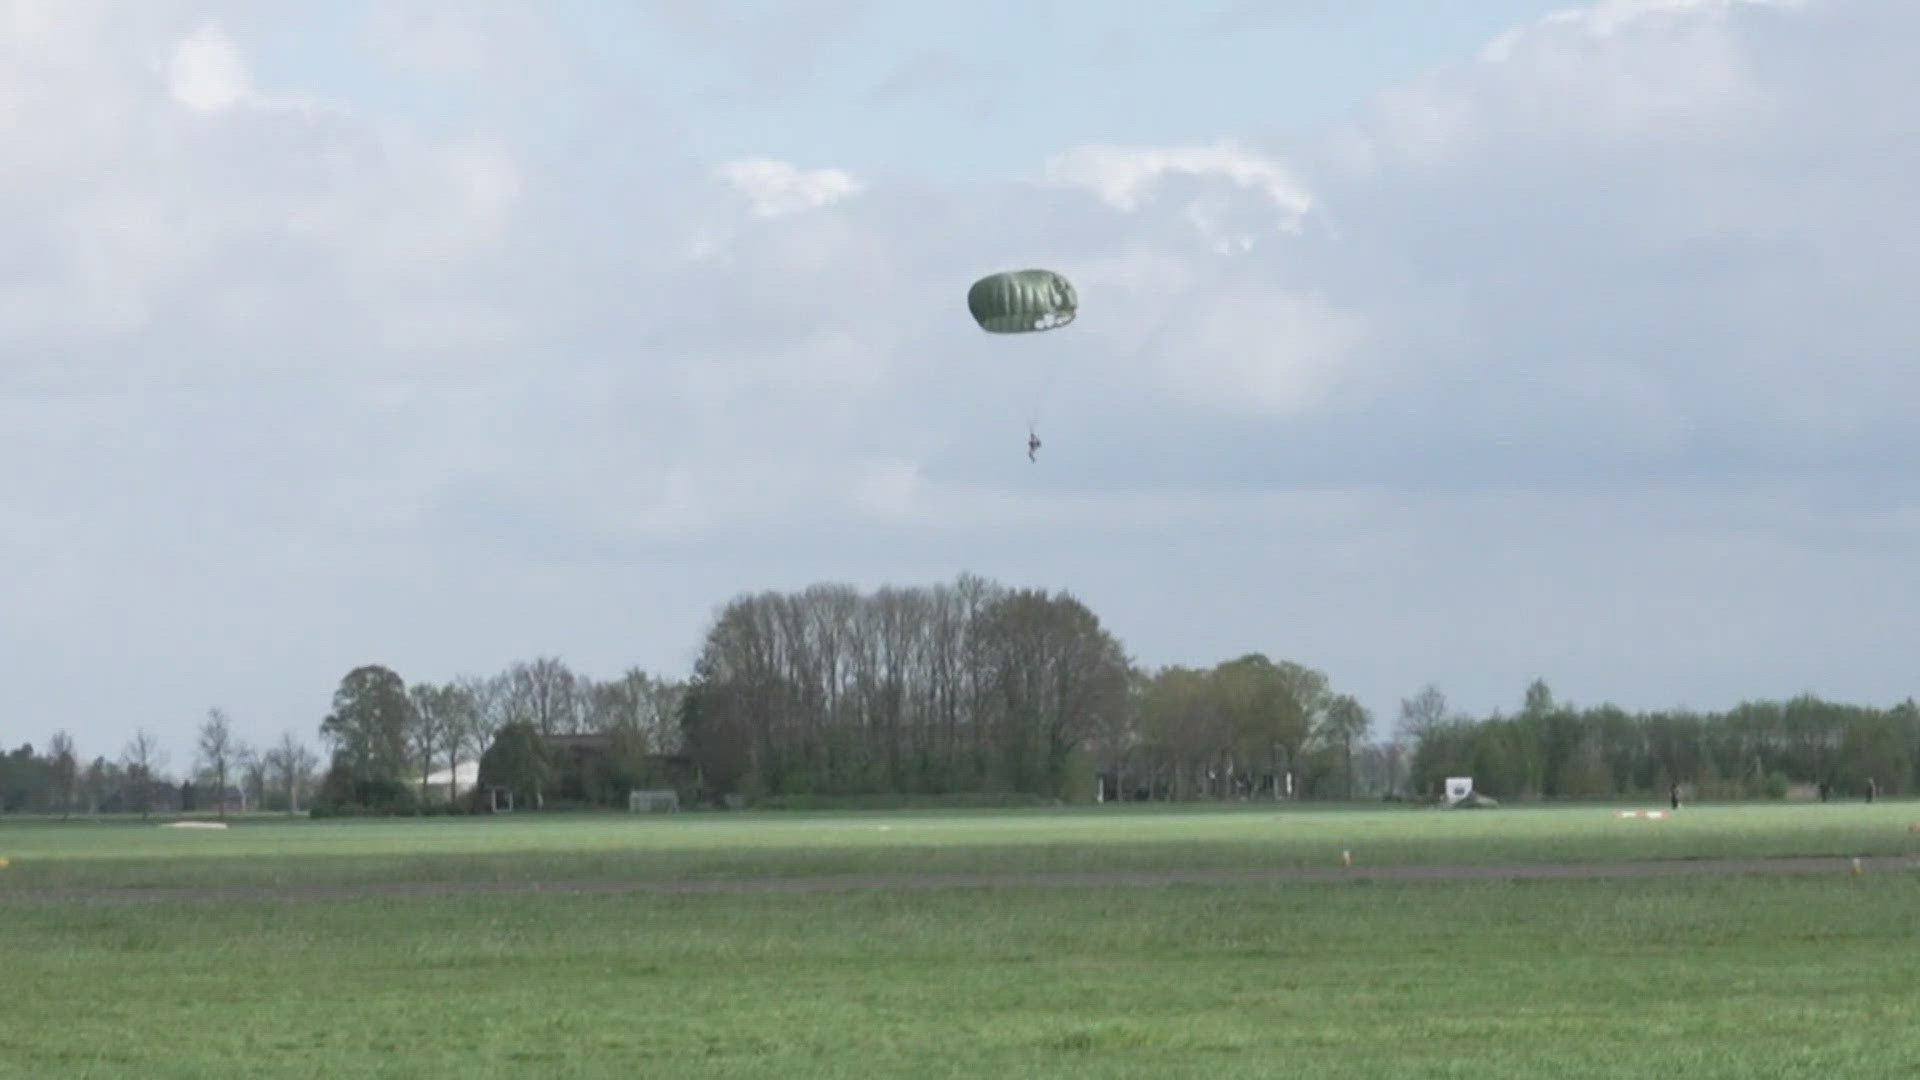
1022, 301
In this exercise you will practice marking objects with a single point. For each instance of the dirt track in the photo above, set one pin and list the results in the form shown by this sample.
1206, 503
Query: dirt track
851, 882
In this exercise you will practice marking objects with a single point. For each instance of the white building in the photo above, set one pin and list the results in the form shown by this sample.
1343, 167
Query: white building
463, 776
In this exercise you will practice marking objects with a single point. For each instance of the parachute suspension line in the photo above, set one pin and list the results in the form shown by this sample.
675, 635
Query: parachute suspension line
1044, 382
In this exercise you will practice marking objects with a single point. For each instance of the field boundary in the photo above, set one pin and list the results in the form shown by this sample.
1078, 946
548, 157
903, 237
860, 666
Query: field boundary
1646, 869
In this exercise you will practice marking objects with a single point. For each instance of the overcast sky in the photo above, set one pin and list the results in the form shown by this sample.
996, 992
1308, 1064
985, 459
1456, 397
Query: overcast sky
1462, 348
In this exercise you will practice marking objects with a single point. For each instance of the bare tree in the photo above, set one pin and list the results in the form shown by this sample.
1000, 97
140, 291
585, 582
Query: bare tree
485, 705
1394, 755
66, 771
950, 688
217, 753
426, 727
142, 757
1379, 766
291, 763
1423, 712
542, 694
253, 769
639, 706
98, 781
1345, 723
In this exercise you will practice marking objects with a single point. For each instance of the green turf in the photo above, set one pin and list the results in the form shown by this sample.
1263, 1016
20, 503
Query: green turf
621, 847
1700, 977
1703, 978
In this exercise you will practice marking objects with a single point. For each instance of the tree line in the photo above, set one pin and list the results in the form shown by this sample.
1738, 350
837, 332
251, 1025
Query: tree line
226, 773
388, 739
383, 741
1757, 749
958, 689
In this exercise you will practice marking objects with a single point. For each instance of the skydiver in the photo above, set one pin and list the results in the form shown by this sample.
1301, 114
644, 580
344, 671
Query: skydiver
1033, 443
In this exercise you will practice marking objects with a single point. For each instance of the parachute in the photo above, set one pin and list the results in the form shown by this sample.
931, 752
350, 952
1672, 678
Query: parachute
1022, 301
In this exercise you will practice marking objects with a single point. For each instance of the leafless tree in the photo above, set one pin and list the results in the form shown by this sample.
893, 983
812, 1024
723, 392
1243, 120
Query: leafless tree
542, 693
1423, 712
637, 705
471, 720
66, 771
252, 768
291, 764
216, 748
427, 727
950, 688
142, 758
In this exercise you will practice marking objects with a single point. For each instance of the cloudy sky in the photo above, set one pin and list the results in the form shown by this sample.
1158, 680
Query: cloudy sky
1519, 340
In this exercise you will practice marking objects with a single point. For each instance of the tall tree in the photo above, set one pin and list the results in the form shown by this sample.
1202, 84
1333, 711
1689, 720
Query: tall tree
1059, 677
217, 753
960, 687
98, 782
428, 724
25, 782
468, 728
1424, 712
1271, 706
517, 760
251, 767
1346, 723
143, 758
640, 706
66, 771
291, 763
1181, 713
543, 694
1538, 700
368, 725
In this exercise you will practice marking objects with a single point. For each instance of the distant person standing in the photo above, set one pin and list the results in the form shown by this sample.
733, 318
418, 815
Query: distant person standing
1673, 796
1873, 788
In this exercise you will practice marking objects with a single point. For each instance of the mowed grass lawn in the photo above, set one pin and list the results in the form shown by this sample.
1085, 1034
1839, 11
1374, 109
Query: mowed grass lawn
1738, 976
619, 847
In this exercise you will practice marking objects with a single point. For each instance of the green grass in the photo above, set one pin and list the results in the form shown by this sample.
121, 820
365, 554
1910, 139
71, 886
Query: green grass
1702, 977
530, 848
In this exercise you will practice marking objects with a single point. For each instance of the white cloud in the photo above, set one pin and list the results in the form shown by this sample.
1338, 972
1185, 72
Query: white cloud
1608, 18
1606, 301
777, 188
444, 37
888, 489
1261, 351
207, 72
1617, 71
1128, 178
245, 235
1606, 233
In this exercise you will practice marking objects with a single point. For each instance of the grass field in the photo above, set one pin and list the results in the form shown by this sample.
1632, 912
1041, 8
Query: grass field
128, 952
584, 848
